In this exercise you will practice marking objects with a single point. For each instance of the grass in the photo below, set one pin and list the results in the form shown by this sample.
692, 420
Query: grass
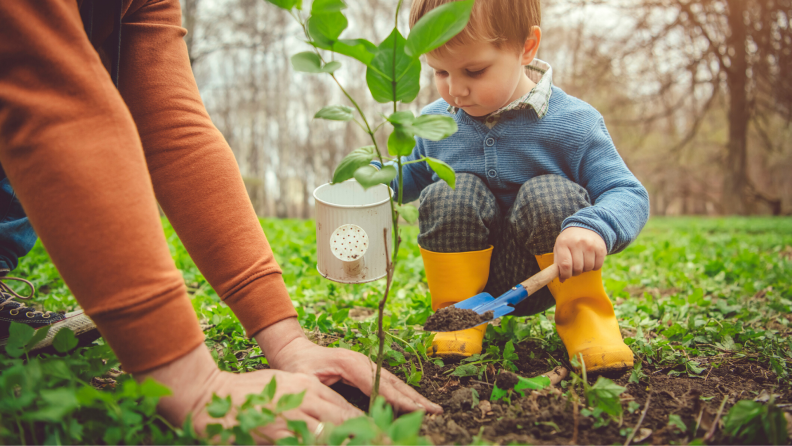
687, 289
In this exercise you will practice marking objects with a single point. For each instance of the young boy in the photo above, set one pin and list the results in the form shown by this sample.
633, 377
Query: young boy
538, 181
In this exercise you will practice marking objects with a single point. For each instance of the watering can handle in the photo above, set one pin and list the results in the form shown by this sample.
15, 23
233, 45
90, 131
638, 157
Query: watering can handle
542, 278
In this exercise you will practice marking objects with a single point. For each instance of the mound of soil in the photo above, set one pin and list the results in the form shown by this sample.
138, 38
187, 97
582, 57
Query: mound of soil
548, 417
452, 319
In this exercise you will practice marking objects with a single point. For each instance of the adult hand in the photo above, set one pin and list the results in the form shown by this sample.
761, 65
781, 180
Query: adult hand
195, 377
578, 250
287, 348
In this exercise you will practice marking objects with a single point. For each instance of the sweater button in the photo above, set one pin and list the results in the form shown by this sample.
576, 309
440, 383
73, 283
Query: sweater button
490, 142
492, 173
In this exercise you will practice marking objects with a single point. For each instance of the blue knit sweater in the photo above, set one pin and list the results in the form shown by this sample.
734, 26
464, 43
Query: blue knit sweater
570, 140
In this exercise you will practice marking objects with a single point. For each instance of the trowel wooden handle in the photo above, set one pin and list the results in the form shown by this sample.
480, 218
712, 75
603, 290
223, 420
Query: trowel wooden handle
540, 279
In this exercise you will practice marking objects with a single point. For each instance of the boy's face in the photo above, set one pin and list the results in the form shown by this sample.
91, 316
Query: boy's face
480, 78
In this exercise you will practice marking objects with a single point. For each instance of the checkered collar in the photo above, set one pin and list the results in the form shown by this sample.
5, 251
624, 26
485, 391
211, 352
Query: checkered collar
541, 73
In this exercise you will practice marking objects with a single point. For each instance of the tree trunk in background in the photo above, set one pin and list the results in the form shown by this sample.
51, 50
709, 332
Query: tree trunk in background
735, 184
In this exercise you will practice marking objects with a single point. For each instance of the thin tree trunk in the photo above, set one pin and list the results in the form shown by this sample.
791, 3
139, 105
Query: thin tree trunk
735, 199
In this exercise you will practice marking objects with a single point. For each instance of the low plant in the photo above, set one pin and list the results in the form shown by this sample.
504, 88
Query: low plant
603, 402
523, 383
752, 422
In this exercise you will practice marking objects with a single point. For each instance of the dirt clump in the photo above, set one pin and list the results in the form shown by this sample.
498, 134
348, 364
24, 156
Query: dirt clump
453, 318
506, 380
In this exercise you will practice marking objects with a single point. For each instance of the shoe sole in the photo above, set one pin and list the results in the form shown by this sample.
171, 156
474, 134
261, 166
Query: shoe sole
79, 323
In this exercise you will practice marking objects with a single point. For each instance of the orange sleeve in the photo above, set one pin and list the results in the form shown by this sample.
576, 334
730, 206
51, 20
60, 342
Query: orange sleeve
195, 175
71, 151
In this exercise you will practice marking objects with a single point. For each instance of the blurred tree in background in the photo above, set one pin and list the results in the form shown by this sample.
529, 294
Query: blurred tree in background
696, 95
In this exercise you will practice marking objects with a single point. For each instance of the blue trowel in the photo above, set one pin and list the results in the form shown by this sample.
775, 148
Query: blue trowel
503, 305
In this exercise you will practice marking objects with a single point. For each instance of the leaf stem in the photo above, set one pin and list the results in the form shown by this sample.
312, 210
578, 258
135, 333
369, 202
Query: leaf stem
381, 331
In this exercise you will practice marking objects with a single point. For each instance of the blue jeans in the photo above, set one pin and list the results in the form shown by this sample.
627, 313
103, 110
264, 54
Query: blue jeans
16, 235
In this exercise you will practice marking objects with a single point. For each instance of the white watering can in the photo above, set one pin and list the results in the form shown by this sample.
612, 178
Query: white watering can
351, 228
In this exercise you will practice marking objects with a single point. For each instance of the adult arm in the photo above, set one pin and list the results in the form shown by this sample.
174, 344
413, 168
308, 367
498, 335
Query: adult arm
199, 187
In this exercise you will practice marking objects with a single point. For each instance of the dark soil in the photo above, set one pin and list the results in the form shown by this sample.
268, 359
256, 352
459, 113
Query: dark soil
548, 417
453, 318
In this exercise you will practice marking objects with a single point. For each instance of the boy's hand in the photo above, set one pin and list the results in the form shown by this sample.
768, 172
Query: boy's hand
578, 250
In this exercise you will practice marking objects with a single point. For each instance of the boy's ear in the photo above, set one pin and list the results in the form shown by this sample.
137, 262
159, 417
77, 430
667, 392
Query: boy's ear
531, 45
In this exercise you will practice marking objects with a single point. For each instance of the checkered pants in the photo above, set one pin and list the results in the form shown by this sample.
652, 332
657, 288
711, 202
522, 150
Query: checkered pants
468, 218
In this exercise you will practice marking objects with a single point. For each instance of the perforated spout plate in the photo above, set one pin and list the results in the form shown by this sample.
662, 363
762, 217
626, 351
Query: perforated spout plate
349, 242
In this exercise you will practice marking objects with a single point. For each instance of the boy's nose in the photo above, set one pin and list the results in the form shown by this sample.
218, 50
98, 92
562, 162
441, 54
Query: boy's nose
457, 89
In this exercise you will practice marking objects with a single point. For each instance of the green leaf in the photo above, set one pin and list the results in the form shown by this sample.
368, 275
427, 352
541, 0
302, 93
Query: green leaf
498, 393
289, 401
214, 429
326, 6
405, 117
287, 4
369, 176
406, 426
307, 62
251, 418
476, 400
18, 336
382, 413
536, 383
64, 340
326, 27
465, 370
508, 352
153, 389
242, 436
359, 49
434, 127
443, 170
604, 394
335, 113
352, 162
331, 67
218, 407
676, 420
300, 428
742, 416
408, 212
438, 26
361, 427
388, 82
40, 334
400, 142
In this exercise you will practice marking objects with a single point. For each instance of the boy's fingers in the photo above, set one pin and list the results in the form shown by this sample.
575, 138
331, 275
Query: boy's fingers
599, 259
578, 260
563, 258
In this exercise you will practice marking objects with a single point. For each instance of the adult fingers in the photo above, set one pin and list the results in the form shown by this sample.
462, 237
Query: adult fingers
358, 371
403, 397
326, 411
330, 399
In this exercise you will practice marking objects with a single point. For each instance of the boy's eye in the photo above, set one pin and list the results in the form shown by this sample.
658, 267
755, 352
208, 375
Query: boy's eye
440, 73
475, 73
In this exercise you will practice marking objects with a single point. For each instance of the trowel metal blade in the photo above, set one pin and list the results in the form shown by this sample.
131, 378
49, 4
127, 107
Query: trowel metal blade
475, 301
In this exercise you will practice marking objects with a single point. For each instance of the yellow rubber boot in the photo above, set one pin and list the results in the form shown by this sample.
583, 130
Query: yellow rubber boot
453, 277
586, 322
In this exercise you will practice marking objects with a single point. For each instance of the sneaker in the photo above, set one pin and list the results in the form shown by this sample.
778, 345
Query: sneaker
13, 310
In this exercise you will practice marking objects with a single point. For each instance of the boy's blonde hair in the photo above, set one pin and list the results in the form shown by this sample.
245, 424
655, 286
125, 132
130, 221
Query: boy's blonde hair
500, 22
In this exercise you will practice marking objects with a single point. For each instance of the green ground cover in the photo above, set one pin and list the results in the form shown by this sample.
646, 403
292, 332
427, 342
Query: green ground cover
692, 294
